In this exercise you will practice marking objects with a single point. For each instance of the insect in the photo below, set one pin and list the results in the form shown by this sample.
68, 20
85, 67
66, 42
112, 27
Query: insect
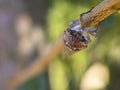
76, 38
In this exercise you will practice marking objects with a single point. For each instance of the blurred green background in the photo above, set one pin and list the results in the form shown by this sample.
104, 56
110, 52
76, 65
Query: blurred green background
30, 27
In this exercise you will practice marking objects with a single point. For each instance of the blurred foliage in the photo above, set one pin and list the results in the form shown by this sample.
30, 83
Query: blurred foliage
66, 74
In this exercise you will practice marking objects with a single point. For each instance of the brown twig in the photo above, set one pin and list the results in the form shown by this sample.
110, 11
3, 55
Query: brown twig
36, 67
100, 12
93, 17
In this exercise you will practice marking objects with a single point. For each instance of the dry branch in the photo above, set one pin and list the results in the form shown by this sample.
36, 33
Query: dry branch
36, 67
91, 18
100, 12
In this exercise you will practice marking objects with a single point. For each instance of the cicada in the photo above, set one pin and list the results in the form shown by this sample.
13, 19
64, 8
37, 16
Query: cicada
76, 38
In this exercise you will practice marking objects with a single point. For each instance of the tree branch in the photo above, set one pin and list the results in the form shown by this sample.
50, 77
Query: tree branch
100, 12
38, 66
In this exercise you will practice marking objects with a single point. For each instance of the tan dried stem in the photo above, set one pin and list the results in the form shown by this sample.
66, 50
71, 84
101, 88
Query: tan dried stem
38, 66
100, 12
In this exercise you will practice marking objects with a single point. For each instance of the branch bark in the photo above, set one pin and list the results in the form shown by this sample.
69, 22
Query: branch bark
100, 12
91, 18
38, 66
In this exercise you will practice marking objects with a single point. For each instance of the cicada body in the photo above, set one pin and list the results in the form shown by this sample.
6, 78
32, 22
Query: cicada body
76, 38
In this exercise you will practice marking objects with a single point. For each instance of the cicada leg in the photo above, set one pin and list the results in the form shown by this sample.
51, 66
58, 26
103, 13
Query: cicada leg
92, 30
